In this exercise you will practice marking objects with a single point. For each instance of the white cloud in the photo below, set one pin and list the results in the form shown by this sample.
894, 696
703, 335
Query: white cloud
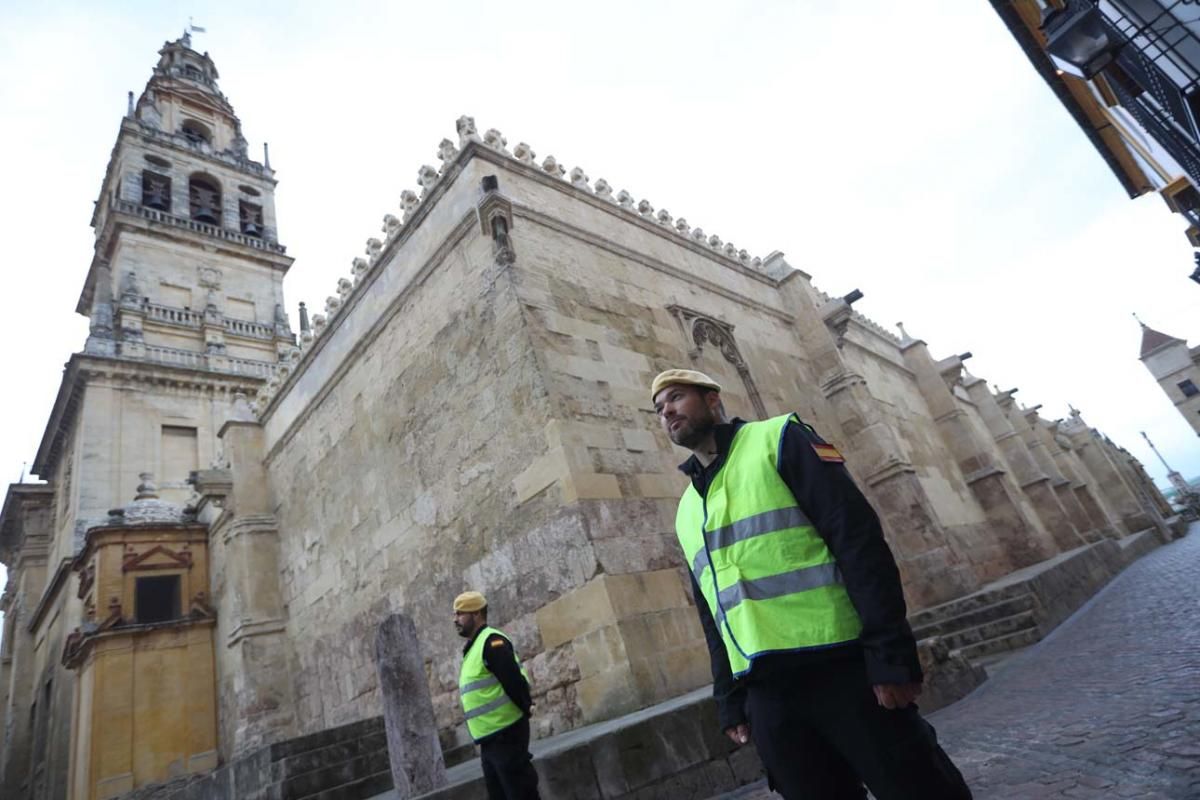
916, 156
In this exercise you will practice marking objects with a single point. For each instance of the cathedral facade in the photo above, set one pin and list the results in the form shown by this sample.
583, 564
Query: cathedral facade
230, 507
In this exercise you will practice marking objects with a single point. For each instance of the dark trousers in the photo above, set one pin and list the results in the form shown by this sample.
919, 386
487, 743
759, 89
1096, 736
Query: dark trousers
822, 735
507, 764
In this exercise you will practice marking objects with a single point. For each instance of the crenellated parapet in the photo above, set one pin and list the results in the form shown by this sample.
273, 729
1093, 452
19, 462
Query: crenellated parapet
394, 225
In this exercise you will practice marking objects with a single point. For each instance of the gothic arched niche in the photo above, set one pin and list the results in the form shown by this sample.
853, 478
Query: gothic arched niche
701, 330
204, 198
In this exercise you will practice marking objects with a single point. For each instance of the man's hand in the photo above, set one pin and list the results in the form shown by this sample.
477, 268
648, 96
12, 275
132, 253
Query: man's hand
739, 734
896, 695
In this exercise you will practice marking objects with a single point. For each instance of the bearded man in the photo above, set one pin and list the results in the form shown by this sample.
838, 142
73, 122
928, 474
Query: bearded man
801, 604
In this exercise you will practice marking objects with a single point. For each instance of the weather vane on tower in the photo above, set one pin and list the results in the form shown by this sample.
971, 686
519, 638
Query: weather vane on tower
189, 30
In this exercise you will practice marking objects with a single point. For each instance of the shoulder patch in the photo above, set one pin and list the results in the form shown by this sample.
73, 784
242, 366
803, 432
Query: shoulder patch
497, 642
827, 452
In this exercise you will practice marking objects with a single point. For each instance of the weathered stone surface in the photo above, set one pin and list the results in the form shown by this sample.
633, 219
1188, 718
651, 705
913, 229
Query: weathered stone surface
463, 419
949, 676
413, 747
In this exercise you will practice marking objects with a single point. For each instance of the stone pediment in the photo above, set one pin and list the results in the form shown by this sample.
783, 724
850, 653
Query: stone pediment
195, 96
158, 557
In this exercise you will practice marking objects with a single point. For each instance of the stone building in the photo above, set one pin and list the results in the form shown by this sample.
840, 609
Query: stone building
470, 410
1173, 365
185, 296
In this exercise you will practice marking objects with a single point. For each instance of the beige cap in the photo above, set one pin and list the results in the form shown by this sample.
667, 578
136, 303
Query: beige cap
470, 601
688, 377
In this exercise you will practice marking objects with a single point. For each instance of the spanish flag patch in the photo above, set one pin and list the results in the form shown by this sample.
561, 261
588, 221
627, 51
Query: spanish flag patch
496, 643
827, 452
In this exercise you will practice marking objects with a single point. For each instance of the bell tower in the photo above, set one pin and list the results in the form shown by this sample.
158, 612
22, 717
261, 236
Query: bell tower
188, 269
184, 292
1175, 366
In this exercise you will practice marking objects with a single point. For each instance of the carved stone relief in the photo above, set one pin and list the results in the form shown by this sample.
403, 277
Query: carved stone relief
700, 330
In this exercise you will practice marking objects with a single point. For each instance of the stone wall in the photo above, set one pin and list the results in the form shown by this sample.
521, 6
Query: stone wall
475, 414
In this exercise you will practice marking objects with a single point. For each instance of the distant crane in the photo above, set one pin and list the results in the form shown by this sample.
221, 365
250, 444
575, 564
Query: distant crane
1187, 495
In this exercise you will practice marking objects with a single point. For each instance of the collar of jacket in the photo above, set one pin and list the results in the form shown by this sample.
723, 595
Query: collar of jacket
723, 433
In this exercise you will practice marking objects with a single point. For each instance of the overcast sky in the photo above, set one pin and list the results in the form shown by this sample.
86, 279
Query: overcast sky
905, 149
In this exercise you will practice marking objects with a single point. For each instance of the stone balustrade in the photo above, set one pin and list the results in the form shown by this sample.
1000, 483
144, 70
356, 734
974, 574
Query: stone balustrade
250, 330
155, 215
191, 359
187, 318
173, 316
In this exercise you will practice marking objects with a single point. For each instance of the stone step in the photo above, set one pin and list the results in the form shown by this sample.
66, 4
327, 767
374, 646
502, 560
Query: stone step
369, 786
335, 774
965, 605
1005, 608
459, 754
1012, 641
313, 741
301, 763
993, 629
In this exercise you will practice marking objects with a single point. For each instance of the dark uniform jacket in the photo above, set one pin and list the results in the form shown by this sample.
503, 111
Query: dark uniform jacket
842, 517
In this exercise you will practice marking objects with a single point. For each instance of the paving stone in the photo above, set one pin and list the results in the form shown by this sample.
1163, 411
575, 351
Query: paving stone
1106, 706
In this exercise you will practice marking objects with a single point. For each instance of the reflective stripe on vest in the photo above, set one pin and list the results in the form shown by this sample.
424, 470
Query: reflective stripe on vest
487, 707
767, 576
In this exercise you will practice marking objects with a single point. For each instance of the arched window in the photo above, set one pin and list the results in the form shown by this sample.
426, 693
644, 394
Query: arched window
195, 132
251, 217
204, 199
156, 190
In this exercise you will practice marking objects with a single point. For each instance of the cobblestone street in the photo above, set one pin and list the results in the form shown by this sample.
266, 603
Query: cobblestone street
1107, 706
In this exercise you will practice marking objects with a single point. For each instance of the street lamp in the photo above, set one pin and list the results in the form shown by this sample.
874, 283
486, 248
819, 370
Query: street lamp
1079, 40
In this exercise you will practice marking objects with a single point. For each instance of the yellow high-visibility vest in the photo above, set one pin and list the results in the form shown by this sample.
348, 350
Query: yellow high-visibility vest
488, 708
770, 582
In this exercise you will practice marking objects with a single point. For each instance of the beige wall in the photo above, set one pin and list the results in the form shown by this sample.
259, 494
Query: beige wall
466, 425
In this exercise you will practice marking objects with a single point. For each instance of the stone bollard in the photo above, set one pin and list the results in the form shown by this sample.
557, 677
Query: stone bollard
413, 748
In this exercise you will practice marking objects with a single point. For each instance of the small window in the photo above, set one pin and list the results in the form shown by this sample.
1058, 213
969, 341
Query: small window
204, 197
1188, 388
196, 133
156, 190
157, 599
251, 218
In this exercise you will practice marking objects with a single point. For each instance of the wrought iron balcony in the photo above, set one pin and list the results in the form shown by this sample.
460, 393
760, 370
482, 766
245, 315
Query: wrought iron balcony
1150, 56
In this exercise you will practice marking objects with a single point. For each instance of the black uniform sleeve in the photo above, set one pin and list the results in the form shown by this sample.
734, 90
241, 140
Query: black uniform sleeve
845, 520
499, 659
729, 693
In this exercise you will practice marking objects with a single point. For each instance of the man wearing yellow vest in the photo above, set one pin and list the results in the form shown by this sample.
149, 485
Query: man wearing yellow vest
494, 689
801, 605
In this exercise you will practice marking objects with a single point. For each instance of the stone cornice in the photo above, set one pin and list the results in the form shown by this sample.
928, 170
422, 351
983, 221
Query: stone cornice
99, 535
76, 652
10, 516
83, 368
600, 242
249, 525
259, 627
981, 474
485, 153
